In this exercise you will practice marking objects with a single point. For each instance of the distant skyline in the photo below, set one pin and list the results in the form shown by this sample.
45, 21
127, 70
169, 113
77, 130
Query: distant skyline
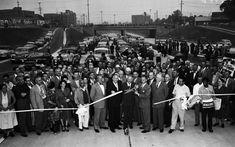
123, 9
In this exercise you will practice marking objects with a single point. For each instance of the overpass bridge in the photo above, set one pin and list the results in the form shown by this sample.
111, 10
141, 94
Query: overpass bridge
148, 30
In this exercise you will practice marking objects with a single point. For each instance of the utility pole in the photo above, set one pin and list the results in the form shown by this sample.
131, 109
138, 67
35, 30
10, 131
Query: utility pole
150, 12
18, 3
40, 8
84, 19
101, 14
181, 8
114, 15
88, 12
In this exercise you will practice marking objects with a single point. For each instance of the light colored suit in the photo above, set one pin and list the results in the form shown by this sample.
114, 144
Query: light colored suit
37, 103
100, 110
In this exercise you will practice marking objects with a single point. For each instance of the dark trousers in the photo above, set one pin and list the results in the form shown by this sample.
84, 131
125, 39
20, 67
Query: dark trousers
207, 113
128, 116
158, 117
40, 121
167, 114
114, 117
197, 108
137, 114
145, 117
24, 119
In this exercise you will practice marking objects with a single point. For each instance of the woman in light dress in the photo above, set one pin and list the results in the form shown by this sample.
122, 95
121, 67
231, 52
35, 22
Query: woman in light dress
7, 120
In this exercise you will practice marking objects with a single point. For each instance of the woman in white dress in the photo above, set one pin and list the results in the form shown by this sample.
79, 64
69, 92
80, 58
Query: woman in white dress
7, 120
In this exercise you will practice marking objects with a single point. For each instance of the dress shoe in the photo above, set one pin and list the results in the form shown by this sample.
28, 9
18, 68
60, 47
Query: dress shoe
81, 130
38, 133
196, 125
112, 130
222, 125
87, 128
97, 131
216, 124
211, 130
161, 130
119, 128
66, 129
141, 127
181, 130
104, 128
145, 131
203, 130
155, 128
12, 134
24, 135
138, 124
5, 136
170, 131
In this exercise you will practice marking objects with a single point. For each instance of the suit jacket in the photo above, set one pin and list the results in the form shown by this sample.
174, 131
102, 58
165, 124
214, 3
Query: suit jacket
96, 94
61, 97
170, 86
11, 98
144, 97
56, 81
74, 85
159, 93
129, 98
78, 96
114, 101
137, 81
36, 98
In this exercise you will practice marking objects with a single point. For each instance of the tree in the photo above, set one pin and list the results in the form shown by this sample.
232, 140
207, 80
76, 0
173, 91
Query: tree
228, 7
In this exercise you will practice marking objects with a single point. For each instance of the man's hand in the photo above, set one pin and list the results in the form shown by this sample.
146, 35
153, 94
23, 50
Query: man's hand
67, 100
112, 92
137, 93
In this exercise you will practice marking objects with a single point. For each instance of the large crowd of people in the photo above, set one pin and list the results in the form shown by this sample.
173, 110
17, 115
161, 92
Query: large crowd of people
143, 84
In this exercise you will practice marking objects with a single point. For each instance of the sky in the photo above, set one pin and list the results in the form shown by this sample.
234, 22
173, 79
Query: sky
122, 9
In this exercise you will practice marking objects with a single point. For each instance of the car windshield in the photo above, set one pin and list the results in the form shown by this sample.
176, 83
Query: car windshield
101, 51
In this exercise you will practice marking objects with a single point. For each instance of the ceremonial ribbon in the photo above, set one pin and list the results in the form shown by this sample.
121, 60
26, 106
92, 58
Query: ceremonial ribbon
226, 94
62, 109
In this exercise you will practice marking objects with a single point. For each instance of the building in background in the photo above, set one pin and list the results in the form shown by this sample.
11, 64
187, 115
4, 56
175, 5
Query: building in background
18, 17
141, 19
66, 18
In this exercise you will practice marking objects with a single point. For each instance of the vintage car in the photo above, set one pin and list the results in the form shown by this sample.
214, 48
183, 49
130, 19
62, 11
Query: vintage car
5, 52
21, 53
66, 51
38, 58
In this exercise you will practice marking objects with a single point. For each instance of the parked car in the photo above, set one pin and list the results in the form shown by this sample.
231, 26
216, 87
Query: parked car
226, 42
99, 51
39, 58
83, 47
5, 52
65, 52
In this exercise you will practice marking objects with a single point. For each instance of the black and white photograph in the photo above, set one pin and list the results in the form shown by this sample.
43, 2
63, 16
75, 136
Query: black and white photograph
117, 73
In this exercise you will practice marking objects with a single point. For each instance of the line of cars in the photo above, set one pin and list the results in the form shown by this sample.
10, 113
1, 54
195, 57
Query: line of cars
30, 52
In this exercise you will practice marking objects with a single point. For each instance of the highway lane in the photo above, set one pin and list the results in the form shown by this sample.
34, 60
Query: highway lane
7, 67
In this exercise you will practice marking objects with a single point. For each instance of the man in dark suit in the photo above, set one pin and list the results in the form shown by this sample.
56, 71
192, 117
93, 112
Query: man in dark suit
98, 92
136, 81
127, 102
114, 103
168, 108
57, 77
22, 93
151, 80
159, 92
143, 93
37, 94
